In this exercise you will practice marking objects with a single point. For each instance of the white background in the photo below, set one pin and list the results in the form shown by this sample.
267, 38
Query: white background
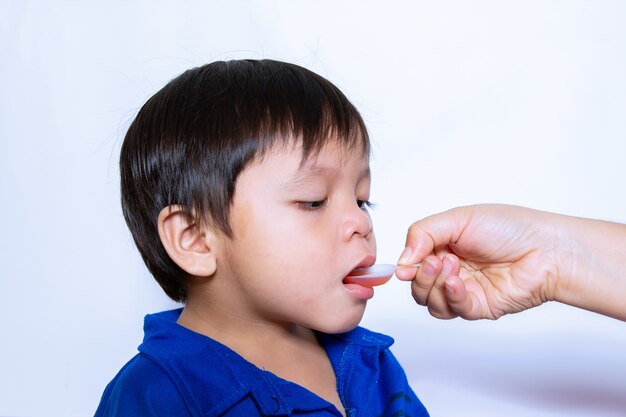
520, 102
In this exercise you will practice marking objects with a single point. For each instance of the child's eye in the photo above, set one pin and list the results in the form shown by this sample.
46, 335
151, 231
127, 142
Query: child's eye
312, 205
364, 204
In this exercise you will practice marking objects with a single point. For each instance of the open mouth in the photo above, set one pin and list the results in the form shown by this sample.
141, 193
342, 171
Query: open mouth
371, 276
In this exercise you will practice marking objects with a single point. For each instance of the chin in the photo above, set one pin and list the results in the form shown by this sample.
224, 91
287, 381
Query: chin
345, 325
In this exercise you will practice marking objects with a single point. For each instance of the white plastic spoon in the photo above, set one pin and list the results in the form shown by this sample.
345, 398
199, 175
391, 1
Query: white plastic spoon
374, 275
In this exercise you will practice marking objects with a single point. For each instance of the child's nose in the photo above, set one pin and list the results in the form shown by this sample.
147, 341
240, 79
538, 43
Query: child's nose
357, 222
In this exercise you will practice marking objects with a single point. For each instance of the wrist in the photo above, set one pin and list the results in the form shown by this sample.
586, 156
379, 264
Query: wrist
590, 265
555, 248
570, 267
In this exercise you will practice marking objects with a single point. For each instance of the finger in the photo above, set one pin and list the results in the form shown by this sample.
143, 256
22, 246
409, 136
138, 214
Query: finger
438, 306
424, 279
406, 273
451, 266
434, 231
459, 300
437, 299
429, 268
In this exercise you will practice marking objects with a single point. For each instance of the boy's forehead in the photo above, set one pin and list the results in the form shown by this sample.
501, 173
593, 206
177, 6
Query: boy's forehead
333, 150
330, 158
323, 162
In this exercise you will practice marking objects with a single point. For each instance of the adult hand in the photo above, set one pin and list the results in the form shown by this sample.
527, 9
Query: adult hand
486, 261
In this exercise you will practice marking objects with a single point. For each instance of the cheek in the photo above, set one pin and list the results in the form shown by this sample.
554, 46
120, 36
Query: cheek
290, 237
241, 218
285, 242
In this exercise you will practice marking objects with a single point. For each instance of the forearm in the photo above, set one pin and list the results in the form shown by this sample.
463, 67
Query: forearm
592, 267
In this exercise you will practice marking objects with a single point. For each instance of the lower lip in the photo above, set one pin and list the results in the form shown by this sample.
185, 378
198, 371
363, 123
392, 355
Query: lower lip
359, 291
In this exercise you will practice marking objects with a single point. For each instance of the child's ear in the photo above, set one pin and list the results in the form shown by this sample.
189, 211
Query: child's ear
191, 247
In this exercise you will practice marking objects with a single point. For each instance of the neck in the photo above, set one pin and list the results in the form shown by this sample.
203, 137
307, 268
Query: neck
250, 336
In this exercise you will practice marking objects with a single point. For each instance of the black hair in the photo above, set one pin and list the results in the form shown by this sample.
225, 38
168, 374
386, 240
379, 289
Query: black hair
191, 140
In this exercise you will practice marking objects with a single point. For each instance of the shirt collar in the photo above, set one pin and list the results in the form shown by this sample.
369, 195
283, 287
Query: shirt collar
192, 360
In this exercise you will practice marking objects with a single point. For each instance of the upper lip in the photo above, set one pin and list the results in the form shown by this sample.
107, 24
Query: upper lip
365, 262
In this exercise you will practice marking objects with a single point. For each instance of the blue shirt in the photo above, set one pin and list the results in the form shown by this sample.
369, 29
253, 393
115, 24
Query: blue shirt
178, 372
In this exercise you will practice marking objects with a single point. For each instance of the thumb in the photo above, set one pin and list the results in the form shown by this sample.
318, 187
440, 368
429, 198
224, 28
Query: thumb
435, 231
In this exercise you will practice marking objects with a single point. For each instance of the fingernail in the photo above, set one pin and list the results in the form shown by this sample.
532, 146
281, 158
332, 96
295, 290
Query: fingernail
429, 269
446, 267
406, 256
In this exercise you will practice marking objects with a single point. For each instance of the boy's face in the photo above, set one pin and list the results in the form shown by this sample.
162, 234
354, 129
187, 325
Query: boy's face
298, 231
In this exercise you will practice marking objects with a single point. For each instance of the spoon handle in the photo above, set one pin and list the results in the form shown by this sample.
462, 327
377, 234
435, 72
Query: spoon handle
415, 265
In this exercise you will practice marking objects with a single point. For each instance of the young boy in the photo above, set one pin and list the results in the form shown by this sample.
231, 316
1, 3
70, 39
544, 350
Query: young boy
245, 185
